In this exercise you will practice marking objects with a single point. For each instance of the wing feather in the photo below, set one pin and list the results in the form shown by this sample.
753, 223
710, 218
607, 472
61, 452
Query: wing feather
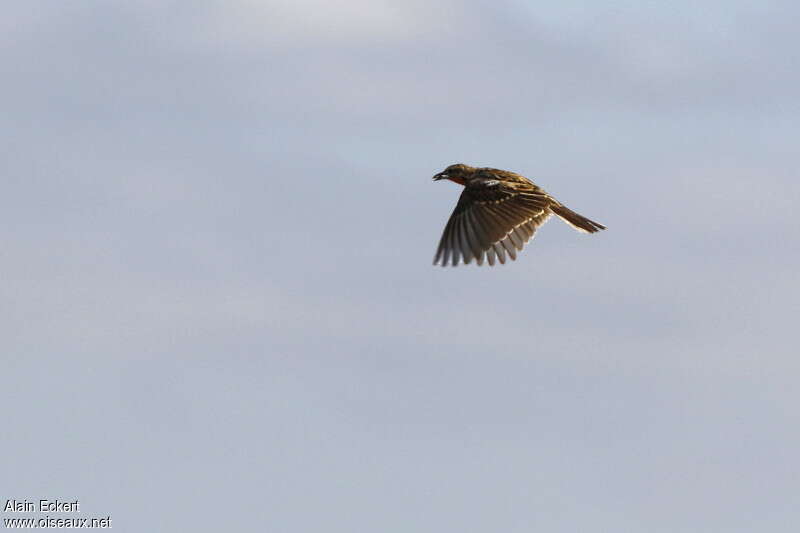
493, 217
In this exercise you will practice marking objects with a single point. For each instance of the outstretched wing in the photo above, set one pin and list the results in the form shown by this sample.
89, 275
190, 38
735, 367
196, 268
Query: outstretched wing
493, 218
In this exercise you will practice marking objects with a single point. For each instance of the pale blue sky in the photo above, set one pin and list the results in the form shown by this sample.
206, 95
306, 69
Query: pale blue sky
219, 310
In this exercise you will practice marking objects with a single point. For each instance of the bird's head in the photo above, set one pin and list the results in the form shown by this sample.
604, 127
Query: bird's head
457, 173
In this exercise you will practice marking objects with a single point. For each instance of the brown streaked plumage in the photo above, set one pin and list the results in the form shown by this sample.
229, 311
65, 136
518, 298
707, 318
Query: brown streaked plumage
497, 214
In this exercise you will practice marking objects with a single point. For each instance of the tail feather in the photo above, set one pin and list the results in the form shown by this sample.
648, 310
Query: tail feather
579, 222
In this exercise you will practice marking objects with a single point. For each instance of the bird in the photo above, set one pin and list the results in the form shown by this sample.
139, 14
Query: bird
497, 213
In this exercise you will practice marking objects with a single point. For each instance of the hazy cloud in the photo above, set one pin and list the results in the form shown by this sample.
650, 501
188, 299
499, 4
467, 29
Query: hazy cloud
218, 224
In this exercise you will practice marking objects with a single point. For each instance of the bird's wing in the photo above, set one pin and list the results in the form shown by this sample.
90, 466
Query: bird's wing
493, 217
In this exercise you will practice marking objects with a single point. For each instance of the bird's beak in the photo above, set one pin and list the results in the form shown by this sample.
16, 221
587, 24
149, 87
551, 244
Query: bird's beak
440, 176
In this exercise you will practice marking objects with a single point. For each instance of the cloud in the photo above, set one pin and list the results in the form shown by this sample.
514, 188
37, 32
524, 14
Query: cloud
319, 23
218, 229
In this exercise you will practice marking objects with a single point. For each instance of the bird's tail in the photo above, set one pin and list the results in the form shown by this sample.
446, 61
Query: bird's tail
579, 222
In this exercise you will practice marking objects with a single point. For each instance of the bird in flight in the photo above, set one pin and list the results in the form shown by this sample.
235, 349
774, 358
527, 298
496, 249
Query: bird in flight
497, 214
